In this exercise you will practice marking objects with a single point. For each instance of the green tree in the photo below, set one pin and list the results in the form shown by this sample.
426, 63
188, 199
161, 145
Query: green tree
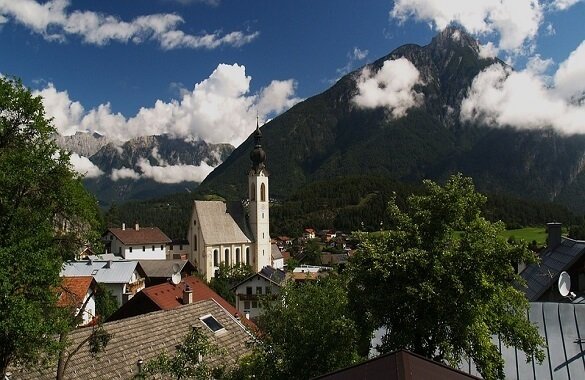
105, 302
228, 276
312, 252
187, 361
45, 217
307, 332
438, 293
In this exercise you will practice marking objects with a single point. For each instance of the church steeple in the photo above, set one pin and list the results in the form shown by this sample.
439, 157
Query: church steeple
257, 155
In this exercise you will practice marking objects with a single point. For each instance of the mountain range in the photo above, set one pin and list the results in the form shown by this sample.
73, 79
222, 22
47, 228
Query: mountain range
328, 136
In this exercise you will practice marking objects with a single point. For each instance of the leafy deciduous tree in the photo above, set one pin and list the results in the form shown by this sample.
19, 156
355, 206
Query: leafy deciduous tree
45, 217
438, 293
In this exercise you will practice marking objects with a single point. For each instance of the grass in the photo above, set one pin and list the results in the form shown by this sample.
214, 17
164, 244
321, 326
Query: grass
528, 234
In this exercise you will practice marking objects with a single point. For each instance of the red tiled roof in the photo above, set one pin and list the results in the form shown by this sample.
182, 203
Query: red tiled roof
73, 290
169, 296
144, 235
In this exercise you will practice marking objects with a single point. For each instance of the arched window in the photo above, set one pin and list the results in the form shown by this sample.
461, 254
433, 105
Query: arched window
215, 258
263, 192
227, 256
194, 242
248, 255
252, 192
237, 256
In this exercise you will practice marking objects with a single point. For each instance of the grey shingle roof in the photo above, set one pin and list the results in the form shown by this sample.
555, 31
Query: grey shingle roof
540, 277
145, 336
119, 272
222, 223
275, 251
161, 268
563, 327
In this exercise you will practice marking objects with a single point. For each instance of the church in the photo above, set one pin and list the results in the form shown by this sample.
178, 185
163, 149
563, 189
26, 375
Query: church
221, 232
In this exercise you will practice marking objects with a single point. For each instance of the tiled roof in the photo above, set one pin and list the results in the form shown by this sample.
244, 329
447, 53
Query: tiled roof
168, 296
145, 336
222, 223
542, 276
162, 268
562, 325
144, 235
73, 290
115, 272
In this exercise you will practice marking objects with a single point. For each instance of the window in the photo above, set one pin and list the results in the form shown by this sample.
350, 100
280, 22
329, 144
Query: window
120, 251
130, 249
226, 255
248, 255
254, 304
252, 192
249, 290
268, 290
215, 258
263, 192
162, 247
262, 215
170, 247
237, 256
194, 243
194, 222
153, 248
246, 305
143, 248
258, 290
181, 245
212, 323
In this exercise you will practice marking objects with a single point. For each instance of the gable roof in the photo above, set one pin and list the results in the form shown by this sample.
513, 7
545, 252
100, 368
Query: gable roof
145, 336
398, 365
109, 272
542, 276
275, 252
144, 235
275, 276
168, 296
164, 268
74, 289
222, 223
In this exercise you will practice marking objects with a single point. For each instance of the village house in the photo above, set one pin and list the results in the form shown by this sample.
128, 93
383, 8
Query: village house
308, 233
161, 271
138, 243
76, 293
178, 249
122, 278
250, 291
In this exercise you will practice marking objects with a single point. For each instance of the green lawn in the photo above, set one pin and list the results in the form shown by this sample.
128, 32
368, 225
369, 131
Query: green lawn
528, 234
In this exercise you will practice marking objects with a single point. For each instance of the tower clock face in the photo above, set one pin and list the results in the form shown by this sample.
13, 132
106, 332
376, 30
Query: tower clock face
262, 207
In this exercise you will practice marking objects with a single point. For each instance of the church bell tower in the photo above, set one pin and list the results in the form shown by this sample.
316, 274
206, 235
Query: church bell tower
258, 208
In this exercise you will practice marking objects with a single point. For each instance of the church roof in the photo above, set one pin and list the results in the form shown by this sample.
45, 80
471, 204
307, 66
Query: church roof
222, 223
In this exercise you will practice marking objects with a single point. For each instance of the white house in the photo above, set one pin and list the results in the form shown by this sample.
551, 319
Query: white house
220, 232
122, 278
138, 243
76, 293
252, 290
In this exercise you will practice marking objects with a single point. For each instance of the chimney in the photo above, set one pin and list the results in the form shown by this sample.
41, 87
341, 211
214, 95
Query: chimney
136, 226
187, 295
123, 226
108, 264
554, 234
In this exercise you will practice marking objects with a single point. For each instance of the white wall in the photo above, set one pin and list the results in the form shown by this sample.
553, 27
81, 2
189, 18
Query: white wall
144, 252
254, 282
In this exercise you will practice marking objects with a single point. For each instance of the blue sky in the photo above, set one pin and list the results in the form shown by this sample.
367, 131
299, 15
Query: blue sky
204, 68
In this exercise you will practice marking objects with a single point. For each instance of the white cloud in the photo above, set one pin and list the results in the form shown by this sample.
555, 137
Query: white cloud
570, 77
84, 166
391, 87
562, 5
219, 109
354, 56
501, 97
124, 173
54, 21
516, 22
174, 173
537, 65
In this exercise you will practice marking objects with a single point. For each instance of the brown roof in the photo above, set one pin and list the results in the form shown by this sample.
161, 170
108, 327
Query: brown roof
168, 296
144, 235
399, 365
146, 336
73, 290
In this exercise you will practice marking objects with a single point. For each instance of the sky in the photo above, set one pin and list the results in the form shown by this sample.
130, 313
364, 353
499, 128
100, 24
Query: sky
204, 69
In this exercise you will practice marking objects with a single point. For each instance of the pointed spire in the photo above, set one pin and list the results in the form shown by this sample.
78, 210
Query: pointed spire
257, 156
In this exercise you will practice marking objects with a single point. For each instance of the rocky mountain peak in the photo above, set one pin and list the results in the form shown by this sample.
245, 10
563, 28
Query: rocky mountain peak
454, 37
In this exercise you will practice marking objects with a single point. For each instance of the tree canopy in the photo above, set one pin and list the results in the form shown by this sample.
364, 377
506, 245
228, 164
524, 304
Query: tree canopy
441, 281
306, 332
45, 217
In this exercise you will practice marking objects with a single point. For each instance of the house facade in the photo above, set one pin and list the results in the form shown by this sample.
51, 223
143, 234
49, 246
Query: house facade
223, 233
138, 243
78, 294
253, 290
